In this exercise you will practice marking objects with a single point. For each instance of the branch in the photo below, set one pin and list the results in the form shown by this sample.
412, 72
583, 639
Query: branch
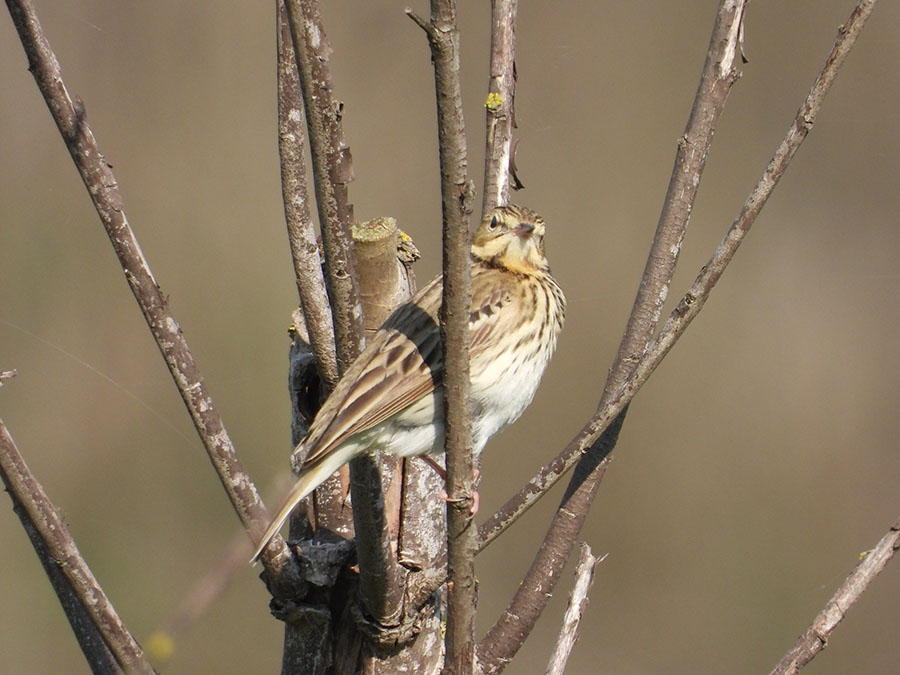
517, 622
332, 171
301, 232
381, 578
690, 159
500, 111
568, 632
693, 301
104, 192
815, 639
456, 194
106, 643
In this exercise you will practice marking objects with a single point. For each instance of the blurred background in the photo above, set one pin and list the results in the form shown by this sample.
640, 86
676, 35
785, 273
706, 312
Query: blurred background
754, 468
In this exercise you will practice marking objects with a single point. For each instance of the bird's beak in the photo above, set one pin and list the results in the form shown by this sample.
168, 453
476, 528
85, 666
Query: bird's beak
524, 229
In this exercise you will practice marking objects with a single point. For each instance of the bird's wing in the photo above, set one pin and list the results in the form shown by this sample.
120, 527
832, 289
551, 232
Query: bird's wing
401, 364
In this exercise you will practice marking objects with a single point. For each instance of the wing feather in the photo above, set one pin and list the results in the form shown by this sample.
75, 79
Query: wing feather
402, 363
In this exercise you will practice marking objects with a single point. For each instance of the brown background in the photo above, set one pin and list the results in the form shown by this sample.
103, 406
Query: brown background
754, 468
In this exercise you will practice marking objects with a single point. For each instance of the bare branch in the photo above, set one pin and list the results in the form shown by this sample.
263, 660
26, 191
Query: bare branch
568, 632
104, 192
617, 400
516, 623
456, 193
719, 74
815, 639
381, 582
500, 107
692, 301
301, 231
101, 633
332, 171
715, 83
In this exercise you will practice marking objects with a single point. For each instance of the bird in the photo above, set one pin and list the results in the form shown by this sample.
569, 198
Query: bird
390, 399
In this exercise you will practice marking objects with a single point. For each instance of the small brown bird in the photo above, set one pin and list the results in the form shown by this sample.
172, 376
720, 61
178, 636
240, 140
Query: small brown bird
391, 398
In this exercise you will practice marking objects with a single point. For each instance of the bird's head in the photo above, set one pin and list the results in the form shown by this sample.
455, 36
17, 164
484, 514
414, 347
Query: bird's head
512, 237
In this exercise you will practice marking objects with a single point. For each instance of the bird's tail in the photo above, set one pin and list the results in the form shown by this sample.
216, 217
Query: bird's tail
308, 481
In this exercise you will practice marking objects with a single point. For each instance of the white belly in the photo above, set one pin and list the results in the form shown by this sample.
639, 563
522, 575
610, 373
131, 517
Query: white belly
501, 390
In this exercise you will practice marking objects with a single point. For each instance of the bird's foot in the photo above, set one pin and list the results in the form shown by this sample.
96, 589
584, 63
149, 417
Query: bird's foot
476, 498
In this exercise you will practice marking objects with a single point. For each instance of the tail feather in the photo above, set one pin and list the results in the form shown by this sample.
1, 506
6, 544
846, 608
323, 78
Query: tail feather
307, 482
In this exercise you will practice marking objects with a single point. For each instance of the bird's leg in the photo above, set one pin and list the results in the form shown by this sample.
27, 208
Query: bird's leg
434, 465
442, 495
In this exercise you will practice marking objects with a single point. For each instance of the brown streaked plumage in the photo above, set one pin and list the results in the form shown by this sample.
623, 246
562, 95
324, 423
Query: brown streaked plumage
391, 397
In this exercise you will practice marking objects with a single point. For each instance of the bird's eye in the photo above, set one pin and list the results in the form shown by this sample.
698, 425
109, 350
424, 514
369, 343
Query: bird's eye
493, 224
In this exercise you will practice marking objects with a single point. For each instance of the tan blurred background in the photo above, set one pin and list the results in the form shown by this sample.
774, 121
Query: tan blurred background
754, 468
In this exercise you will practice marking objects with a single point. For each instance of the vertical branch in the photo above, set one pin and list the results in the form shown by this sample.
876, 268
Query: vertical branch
500, 107
301, 232
518, 620
380, 575
384, 285
332, 171
96, 623
456, 193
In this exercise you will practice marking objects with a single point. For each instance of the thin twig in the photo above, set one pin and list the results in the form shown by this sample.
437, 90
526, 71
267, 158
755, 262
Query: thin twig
103, 188
456, 193
815, 639
61, 557
500, 106
301, 231
568, 632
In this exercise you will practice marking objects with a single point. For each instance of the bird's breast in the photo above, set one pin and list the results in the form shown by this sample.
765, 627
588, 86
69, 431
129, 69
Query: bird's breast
504, 381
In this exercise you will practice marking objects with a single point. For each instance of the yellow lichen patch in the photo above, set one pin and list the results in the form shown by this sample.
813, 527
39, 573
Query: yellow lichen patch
494, 101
